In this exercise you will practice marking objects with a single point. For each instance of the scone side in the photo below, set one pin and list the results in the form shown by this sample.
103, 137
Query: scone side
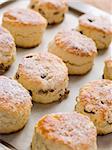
23, 31
108, 69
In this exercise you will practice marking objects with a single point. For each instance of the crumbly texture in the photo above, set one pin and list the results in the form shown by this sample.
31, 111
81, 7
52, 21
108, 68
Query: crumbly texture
64, 131
7, 50
15, 105
108, 69
45, 76
75, 49
52, 10
99, 28
95, 101
26, 26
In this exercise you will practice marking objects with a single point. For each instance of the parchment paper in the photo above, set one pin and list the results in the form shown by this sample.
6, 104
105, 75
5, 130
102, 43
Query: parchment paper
22, 139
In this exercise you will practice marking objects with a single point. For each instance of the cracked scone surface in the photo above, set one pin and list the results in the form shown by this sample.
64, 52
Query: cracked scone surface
99, 28
52, 10
108, 68
44, 75
7, 50
26, 26
75, 49
64, 131
95, 101
15, 105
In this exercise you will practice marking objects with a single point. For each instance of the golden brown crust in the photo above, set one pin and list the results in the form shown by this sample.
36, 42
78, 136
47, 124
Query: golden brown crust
96, 92
67, 128
12, 95
23, 17
76, 43
101, 23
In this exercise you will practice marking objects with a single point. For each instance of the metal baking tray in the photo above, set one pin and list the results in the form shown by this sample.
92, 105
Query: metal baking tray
22, 139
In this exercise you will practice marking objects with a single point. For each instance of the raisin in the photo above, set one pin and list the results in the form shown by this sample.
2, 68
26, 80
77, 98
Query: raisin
42, 12
56, 13
90, 20
43, 76
6, 68
33, 6
81, 32
17, 76
102, 102
30, 92
29, 56
64, 95
51, 90
43, 91
89, 112
1, 66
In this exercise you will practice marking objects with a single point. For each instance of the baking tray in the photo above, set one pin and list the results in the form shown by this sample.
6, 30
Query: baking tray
22, 139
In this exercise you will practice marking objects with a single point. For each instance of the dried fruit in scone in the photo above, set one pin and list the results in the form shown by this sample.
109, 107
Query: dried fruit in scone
45, 76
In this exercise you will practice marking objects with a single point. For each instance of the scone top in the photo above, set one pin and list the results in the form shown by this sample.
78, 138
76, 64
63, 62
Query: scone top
102, 23
70, 129
76, 43
96, 90
43, 69
97, 97
24, 17
58, 5
13, 95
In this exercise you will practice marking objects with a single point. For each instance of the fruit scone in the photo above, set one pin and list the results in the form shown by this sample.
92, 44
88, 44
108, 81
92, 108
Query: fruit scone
95, 101
76, 50
7, 50
64, 131
45, 76
52, 10
26, 26
99, 28
15, 105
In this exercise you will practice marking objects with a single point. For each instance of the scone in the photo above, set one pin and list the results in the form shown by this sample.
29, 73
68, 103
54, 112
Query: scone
108, 69
95, 101
45, 76
64, 131
15, 105
7, 50
26, 26
75, 49
52, 10
99, 28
